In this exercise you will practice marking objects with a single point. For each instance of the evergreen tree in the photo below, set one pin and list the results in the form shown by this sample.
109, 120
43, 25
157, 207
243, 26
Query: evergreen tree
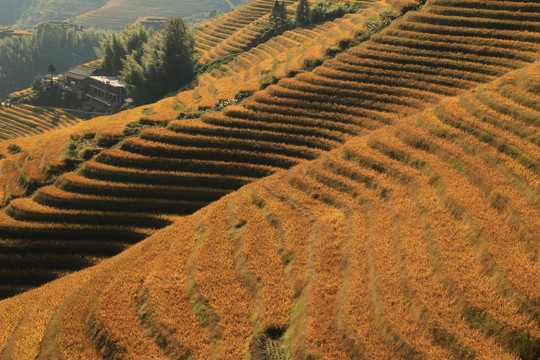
278, 15
108, 56
37, 85
283, 13
303, 14
117, 46
177, 53
273, 18
51, 70
164, 64
119, 53
153, 75
135, 36
213, 14
133, 76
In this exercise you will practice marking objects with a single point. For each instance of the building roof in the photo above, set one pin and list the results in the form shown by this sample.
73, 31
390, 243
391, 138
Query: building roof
80, 72
109, 80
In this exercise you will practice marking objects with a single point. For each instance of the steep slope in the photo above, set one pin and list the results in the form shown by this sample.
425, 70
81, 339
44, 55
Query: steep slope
178, 170
275, 59
212, 33
47, 156
418, 240
246, 74
234, 33
224, 83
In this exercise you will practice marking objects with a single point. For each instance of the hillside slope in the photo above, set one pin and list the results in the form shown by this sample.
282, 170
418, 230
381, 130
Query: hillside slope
25, 120
178, 170
419, 240
118, 13
275, 59
384, 205
105, 13
46, 157
33, 12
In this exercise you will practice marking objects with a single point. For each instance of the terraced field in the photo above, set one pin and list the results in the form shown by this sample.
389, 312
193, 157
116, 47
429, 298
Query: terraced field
234, 33
332, 258
277, 58
42, 161
177, 170
236, 20
26, 120
388, 208
119, 13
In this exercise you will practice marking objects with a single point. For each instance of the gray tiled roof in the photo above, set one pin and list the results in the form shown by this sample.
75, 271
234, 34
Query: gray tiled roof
80, 72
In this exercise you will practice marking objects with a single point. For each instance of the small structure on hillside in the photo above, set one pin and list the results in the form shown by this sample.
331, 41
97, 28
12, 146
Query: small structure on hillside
77, 80
98, 92
106, 93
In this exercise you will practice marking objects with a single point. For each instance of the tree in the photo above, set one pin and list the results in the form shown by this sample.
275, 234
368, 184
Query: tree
51, 70
165, 63
283, 12
22, 58
37, 85
324, 10
119, 53
177, 53
108, 56
213, 14
303, 15
117, 47
278, 15
135, 36
132, 75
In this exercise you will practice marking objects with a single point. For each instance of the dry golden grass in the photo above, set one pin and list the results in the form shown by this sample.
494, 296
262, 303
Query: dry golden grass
166, 303
398, 221
251, 69
33, 329
25, 120
261, 264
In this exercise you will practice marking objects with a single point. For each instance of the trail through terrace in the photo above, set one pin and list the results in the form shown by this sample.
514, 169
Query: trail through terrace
123, 195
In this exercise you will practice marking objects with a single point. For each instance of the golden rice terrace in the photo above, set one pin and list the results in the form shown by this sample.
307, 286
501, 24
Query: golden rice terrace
378, 199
